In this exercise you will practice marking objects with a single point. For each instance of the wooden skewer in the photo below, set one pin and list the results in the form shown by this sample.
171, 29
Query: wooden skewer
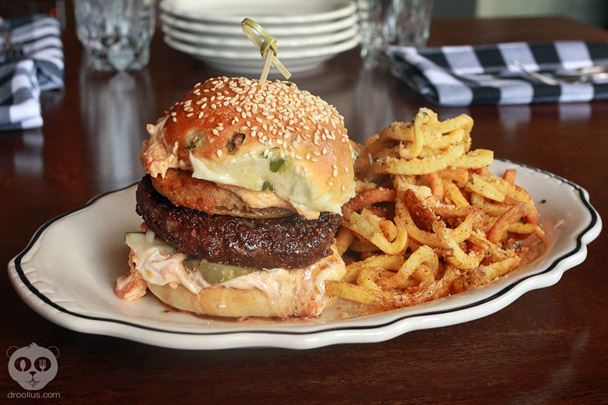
266, 68
268, 48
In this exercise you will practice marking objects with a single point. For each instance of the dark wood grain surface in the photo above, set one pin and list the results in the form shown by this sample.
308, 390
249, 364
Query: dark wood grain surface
549, 346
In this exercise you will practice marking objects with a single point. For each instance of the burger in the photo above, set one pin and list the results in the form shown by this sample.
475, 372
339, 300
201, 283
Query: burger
241, 202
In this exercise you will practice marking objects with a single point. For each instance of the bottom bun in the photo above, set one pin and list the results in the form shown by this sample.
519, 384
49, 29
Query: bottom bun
219, 301
282, 294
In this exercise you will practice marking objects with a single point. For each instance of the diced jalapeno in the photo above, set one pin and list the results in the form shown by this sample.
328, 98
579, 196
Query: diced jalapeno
276, 165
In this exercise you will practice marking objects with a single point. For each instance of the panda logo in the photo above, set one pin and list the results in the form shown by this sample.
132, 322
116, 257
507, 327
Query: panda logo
32, 367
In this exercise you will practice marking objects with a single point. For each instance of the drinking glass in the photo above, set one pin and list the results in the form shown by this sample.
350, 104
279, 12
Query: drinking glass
392, 22
116, 34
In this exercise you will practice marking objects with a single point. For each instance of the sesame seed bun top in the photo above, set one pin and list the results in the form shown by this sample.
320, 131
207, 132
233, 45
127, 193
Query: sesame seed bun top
271, 137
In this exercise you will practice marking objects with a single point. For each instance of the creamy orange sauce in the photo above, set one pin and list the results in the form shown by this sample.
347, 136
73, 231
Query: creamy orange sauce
282, 286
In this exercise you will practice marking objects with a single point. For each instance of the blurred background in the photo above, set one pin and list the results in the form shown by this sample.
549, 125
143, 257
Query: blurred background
593, 12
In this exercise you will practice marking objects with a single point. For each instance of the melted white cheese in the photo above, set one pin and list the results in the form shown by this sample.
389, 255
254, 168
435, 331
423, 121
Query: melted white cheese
251, 173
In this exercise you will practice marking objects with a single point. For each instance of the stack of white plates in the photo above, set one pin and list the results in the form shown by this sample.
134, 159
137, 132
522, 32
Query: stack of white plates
308, 32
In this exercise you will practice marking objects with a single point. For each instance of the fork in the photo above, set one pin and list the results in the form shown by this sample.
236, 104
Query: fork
42, 364
9, 52
575, 76
538, 76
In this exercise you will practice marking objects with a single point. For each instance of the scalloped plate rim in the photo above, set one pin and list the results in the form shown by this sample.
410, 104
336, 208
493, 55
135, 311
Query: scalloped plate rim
375, 330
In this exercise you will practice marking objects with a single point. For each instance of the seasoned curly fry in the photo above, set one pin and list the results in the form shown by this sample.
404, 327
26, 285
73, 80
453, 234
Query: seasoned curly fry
441, 223
369, 197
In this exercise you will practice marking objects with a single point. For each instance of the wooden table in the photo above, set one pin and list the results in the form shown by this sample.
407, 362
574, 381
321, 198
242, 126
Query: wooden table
548, 346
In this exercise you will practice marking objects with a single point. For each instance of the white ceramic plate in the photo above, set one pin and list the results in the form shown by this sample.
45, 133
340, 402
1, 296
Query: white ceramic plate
68, 270
279, 31
250, 62
265, 12
229, 42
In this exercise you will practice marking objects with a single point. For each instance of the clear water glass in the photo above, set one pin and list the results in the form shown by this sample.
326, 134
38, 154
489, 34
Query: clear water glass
392, 22
116, 34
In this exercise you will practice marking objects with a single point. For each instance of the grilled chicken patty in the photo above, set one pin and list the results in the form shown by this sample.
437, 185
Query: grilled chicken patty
184, 190
288, 242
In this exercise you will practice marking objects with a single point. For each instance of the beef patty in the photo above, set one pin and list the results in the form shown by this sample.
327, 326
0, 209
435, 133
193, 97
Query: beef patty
288, 242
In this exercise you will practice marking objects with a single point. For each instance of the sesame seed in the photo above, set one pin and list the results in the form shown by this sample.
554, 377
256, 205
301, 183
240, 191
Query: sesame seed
219, 153
280, 112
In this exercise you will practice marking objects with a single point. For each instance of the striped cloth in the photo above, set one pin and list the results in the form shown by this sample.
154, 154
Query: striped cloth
466, 75
40, 69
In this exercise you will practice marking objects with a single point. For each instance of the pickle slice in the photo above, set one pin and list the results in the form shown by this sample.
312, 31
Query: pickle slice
219, 273
215, 273
138, 241
191, 263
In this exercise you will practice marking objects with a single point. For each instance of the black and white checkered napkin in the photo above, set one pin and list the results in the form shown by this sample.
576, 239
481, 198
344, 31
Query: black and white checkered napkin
466, 75
40, 68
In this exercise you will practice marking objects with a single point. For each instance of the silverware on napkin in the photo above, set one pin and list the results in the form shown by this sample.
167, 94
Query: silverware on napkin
573, 76
9, 51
